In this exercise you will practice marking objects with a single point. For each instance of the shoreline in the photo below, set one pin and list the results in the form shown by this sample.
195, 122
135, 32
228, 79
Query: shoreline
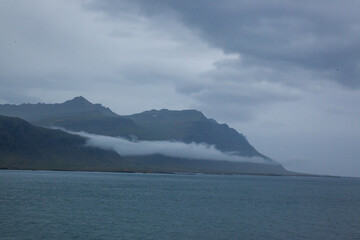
179, 173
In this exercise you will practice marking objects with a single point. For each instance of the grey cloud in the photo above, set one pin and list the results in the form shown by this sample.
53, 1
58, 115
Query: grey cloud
11, 94
321, 36
125, 147
237, 92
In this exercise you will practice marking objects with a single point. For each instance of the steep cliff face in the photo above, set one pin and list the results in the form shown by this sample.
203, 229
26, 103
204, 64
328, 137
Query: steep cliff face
192, 126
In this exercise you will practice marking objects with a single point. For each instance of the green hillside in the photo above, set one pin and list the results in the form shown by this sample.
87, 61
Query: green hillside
24, 146
187, 126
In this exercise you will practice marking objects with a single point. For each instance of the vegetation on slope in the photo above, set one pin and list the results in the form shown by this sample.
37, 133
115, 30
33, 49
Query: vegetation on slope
24, 146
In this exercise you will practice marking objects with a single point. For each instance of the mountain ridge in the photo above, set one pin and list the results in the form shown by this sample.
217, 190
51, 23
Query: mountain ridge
79, 114
24, 146
33, 112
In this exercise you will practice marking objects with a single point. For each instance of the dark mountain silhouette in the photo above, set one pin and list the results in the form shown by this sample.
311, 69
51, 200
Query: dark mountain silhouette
187, 126
24, 146
79, 114
33, 112
192, 126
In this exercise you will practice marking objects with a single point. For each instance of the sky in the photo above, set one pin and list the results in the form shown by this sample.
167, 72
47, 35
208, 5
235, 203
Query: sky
284, 73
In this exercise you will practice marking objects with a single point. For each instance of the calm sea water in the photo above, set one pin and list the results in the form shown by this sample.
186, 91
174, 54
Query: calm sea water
80, 205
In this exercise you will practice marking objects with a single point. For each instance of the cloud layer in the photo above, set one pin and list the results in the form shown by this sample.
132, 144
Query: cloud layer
321, 36
175, 149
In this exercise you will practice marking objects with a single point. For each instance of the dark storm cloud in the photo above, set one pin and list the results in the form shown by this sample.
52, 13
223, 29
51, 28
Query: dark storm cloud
321, 36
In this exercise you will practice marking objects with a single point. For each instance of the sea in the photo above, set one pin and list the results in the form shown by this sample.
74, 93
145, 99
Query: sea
97, 205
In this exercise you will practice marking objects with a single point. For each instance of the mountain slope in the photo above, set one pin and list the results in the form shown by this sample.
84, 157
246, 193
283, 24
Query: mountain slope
186, 126
24, 146
192, 126
95, 123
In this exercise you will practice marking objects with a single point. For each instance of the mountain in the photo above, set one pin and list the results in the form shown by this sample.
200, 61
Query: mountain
33, 112
24, 146
96, 123
192, 126
186, 126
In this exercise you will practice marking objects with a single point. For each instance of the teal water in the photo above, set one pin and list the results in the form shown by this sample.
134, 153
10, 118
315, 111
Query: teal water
80, 205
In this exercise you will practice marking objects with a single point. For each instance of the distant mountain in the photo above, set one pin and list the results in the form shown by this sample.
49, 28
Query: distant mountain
192, 126
186, 126
24, 146
33, 112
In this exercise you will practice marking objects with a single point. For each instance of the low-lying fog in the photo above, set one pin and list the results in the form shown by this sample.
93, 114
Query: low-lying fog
125, 147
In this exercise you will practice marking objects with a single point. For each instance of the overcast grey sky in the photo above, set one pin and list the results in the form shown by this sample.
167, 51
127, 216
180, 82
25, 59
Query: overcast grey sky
284, 73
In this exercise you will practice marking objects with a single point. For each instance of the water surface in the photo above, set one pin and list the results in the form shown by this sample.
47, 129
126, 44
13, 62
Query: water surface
83, 205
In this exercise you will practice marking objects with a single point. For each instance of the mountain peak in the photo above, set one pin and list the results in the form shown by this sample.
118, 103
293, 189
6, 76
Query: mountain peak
78, 100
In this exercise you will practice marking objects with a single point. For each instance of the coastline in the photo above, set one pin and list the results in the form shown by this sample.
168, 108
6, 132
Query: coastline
294, 174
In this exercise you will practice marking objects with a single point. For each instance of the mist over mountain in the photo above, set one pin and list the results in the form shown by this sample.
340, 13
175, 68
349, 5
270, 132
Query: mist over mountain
186, 126
199, 151
192, 126
164, 140
24, 146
